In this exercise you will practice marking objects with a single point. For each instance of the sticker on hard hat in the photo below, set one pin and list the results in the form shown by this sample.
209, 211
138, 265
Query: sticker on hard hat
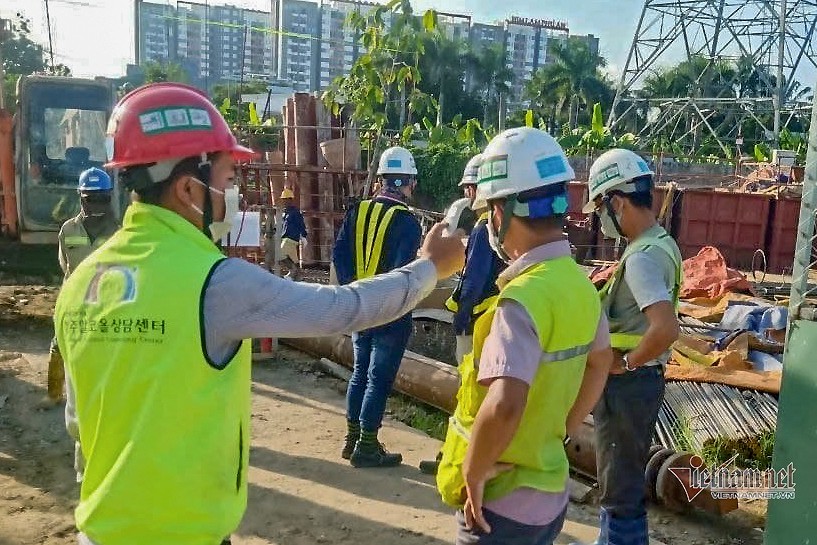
494, 168
643, 166
175, 118
550, 166
606, 175
109, 147
394, 163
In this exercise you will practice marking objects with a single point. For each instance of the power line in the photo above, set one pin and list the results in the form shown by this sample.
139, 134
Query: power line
50, 39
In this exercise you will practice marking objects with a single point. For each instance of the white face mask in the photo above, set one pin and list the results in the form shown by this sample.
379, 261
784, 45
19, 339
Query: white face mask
608, 227
220, 229
493, 239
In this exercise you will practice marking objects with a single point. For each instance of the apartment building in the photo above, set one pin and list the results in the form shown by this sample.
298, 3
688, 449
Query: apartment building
214, 44
298, 43
526, 48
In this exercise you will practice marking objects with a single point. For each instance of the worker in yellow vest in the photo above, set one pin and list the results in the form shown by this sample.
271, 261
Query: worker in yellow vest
640, 301
378, 235
476, 289
154, 327
540, 358
78, 237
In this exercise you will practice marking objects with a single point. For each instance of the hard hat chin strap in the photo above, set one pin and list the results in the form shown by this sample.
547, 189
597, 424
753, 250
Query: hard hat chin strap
205, 172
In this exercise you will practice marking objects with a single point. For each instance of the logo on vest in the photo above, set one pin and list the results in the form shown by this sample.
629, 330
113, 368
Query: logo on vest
121, 279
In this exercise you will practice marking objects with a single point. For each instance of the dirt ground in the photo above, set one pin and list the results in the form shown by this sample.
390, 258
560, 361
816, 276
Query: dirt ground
301, 492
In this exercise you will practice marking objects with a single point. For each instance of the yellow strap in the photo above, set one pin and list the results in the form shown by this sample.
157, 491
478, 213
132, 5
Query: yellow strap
369, 236
452, 305
625, 341
483, 217
360, 231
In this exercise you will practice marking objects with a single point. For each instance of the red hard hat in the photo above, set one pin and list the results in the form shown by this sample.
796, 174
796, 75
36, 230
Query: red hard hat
165, 121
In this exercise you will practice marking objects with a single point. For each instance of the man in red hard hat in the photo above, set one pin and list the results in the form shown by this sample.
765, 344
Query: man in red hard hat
153, 328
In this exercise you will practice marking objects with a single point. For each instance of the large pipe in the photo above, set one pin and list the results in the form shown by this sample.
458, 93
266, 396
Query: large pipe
436, 384
422, 378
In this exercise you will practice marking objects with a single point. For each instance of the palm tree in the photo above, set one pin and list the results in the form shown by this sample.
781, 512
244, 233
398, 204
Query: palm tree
575, 75
491, 74
443, 66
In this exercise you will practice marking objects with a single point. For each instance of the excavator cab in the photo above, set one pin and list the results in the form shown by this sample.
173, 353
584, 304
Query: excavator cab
60, 131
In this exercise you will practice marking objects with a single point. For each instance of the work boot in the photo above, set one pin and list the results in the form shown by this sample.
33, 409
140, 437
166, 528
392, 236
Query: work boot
352, 436
430, 467
369, 452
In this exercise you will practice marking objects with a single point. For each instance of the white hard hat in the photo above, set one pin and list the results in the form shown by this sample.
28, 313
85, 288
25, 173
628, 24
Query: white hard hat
397, 160
519, 160
613, 170
469, 175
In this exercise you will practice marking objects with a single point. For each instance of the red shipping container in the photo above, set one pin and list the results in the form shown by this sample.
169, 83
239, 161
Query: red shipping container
576, 197
735, 223
782, 235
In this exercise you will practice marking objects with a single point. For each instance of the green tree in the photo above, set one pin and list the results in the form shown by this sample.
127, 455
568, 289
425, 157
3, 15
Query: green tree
21, 55
574, 76
442, 67
156, 71
491, 75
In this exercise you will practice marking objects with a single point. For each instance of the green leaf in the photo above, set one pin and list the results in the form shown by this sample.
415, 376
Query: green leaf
529, 118
598, 121
760, 155
430, 20
225, 106
253, 114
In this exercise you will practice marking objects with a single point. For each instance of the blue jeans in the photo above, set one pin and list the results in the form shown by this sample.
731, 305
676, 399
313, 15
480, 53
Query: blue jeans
377, 359
624, 422
505, 531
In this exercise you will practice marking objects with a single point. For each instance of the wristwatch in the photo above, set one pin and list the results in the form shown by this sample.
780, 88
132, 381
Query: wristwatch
627, 363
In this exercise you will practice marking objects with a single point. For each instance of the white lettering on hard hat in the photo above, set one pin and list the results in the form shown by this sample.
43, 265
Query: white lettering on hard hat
493, 168
152, 122
550, 166
199, 118
605, 175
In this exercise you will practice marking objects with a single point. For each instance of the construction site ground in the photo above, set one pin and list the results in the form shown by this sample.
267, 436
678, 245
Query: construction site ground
301, 492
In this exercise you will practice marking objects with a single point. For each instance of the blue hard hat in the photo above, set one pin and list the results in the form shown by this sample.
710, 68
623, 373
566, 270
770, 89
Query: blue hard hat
94, 179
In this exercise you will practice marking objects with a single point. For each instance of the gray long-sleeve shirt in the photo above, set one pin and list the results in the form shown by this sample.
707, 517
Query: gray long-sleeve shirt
243, 301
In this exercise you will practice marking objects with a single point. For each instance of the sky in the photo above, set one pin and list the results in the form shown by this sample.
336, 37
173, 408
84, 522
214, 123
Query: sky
95, 37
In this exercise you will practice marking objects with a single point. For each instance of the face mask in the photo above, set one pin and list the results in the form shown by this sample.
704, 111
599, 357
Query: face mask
220, 229
608, 226
493, 239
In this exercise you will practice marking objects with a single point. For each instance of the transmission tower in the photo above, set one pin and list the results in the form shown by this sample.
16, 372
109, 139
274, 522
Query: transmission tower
770, 40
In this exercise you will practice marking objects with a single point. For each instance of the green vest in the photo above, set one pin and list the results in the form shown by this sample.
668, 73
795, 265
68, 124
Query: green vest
624, 337
566, 333
75, 244
164, 432
373, 219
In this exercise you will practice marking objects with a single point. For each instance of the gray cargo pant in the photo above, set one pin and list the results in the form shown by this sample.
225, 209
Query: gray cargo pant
624, 422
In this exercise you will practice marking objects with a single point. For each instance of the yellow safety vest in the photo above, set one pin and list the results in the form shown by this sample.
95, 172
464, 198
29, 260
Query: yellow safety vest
629, 340
453, 302
75, 244
165, 432
566, 333
373, 220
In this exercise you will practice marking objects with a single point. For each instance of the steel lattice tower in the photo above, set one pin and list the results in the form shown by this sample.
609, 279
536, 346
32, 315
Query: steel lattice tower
773, 38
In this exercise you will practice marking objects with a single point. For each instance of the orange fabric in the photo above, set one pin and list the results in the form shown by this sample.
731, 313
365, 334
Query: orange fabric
706, 275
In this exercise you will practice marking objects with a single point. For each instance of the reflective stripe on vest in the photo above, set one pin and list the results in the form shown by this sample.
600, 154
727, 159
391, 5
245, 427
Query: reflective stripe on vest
629, 341
370, 233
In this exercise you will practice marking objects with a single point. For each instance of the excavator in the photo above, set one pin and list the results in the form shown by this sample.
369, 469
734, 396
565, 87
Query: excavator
55, 130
